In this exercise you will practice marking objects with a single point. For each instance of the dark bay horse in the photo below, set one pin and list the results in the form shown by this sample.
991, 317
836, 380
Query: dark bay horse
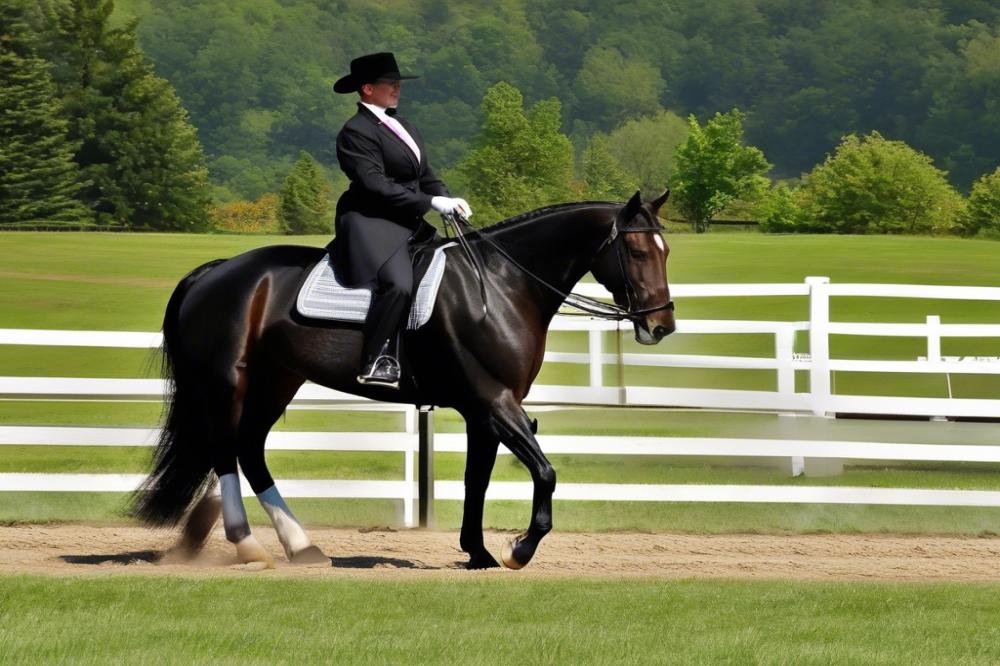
236, 352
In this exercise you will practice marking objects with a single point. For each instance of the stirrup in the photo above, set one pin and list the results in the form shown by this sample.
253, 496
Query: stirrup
383, 371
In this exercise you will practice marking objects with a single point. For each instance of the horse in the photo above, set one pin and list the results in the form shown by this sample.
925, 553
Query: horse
235, 352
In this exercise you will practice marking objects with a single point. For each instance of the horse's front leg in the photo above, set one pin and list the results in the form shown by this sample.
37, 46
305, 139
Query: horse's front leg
514, 429
480, 458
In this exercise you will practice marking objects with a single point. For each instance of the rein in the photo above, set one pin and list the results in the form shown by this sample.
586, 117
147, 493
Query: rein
588, 306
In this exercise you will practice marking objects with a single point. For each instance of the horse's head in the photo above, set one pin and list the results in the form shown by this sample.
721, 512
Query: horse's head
633, 267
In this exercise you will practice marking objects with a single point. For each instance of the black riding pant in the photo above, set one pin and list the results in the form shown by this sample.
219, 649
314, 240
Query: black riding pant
391, 305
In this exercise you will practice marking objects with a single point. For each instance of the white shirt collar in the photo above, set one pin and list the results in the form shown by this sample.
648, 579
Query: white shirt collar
379, 111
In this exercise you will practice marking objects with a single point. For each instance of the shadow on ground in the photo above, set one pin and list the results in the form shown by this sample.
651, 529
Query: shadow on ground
135, 557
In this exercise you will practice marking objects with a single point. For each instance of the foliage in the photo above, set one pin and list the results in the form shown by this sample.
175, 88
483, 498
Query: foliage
779, 211
256, 75
875, 185
38, 179
304, 200
249, 217
715, 169
647, 147
136, 148
613, 88
982, 215
604, 178
520, 161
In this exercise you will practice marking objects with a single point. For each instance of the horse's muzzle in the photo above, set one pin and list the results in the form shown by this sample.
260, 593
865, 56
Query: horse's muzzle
660, 332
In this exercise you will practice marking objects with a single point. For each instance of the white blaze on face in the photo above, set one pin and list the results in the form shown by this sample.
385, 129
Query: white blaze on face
659, 242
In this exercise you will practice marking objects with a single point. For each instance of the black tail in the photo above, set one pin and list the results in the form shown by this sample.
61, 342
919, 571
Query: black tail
181, 472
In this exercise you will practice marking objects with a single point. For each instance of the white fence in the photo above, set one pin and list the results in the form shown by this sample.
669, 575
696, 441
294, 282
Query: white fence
818, 400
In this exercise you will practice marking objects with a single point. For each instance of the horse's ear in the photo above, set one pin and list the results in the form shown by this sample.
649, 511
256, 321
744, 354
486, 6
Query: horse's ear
656, 203
632, 207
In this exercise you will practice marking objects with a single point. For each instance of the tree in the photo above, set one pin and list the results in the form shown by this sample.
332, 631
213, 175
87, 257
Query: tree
715, 169
603, 177
520, 161
874, 185
612, 89
647, 147
983, 213
304, 200
138, 151
38, 179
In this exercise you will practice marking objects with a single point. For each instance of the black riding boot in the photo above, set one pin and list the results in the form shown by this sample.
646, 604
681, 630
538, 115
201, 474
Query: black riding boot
382, 367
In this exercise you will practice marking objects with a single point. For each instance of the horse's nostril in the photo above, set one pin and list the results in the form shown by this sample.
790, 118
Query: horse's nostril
661, 332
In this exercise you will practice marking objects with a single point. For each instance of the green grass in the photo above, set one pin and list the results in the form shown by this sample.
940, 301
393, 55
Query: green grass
493, 619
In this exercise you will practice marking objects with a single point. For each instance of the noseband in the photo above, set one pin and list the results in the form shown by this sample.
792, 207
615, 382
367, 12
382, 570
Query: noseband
584, 303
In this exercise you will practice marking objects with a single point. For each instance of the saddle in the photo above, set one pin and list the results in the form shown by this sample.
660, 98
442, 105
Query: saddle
323, 296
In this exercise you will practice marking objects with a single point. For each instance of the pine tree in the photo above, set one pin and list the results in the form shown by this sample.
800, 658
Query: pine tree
136, 145
305, 199
38, 179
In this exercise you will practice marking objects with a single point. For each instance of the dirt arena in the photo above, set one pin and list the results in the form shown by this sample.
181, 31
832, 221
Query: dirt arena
76, 550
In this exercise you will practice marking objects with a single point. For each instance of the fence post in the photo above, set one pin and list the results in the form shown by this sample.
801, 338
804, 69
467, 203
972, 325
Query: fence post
620, 360
425, 471
934, 351
595, 345
410, 419
412, 493
784, 352
819, 344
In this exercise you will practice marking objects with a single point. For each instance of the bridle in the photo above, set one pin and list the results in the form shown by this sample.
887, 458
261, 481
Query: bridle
587, 305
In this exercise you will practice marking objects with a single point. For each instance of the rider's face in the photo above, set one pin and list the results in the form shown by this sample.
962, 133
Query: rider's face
384, 93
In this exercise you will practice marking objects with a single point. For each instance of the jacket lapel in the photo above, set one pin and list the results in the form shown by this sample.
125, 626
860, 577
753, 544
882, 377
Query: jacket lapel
383, 128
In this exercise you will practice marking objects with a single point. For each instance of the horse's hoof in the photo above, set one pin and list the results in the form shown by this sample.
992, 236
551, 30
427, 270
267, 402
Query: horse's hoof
250, 551
507, 554
482, 560
310, 555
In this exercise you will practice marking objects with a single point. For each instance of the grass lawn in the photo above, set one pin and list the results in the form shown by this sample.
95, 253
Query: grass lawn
492, 619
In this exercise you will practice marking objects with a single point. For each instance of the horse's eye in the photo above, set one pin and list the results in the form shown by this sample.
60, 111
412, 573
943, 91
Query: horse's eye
637, 254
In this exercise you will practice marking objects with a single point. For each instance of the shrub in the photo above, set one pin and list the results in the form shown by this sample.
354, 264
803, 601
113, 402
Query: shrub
248, 217
779, 211
982, 216
874, 185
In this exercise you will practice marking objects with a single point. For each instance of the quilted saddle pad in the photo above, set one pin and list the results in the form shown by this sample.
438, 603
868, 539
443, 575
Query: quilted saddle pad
323, 297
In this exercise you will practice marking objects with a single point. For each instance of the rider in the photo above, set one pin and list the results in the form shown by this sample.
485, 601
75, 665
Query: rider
392, 187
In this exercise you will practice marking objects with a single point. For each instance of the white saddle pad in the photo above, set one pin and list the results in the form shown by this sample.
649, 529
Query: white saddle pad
322, 297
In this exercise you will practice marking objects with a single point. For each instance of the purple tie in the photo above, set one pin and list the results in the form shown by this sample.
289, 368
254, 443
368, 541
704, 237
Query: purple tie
405, 139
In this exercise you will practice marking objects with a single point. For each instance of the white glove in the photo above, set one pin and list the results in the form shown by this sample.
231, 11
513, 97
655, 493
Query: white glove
449, 206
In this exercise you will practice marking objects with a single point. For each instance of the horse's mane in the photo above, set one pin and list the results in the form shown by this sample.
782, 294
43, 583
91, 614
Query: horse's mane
541, 212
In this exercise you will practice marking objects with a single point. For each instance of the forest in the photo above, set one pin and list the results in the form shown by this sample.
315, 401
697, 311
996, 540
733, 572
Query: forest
624, 83
256, 75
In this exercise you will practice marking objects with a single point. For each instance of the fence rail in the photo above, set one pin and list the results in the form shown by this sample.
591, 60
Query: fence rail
819, 400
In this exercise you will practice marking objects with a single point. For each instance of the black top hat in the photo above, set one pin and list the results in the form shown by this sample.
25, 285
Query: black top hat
367, 69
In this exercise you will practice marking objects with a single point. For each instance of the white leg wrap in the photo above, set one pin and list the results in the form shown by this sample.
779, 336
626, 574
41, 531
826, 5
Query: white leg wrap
234, 516
293, 538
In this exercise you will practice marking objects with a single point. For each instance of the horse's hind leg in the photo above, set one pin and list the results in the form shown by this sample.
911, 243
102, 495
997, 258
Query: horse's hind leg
265, 402
228, 401
199, 524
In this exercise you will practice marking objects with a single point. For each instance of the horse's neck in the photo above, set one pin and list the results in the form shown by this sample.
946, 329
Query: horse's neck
559, 247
